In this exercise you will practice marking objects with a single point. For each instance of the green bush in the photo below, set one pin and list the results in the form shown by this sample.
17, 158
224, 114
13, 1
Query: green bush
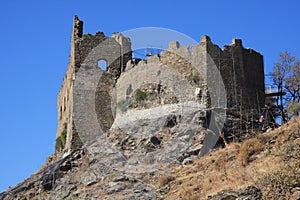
58, 144
61, 140
124, 104
194, 79
293, 108
64, 136
140, 95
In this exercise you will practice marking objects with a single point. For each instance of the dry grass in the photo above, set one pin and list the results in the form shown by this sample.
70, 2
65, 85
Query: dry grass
249, 147
222, 169
279, 184
189, 194
165, 179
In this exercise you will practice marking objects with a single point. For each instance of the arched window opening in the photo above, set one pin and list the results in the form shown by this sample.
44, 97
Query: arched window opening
102, 64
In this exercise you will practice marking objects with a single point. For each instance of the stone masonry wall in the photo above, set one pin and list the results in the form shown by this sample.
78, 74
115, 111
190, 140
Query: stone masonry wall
86, 92
240, 69
88, 49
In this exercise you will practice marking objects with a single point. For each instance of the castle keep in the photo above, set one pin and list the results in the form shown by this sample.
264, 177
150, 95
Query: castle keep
241, 70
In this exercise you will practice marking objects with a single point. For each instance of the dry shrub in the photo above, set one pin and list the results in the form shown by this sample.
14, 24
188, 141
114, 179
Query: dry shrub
165, 179
189, 194
279, 184
249, 148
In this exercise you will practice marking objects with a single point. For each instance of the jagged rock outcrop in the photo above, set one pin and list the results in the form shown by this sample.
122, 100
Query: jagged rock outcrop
106, 169
249, 193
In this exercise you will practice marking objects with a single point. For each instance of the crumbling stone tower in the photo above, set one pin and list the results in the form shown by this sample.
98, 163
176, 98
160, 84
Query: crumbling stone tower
242, 71
114, 47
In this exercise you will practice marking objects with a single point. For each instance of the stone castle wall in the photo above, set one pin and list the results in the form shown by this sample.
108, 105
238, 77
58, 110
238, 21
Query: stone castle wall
240, 69
88, 49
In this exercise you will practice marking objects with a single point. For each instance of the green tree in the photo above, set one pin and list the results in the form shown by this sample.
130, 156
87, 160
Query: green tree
293, 108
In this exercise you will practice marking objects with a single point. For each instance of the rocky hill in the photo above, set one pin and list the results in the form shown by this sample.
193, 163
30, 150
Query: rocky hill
265, 166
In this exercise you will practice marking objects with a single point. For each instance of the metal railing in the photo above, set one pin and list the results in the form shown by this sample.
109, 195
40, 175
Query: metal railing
271, 89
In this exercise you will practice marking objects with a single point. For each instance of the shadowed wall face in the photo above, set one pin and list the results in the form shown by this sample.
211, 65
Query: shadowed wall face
242, 71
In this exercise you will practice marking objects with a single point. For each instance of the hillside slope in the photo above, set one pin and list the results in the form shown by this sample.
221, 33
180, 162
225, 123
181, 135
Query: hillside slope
266, 166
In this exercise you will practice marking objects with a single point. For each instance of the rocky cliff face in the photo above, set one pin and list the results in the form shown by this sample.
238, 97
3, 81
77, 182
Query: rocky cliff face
122, 166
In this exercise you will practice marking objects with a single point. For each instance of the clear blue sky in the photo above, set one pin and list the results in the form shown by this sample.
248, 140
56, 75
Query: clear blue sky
34, 52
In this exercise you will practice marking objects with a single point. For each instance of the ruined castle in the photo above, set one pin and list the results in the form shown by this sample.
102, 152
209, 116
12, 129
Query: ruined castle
241, 70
